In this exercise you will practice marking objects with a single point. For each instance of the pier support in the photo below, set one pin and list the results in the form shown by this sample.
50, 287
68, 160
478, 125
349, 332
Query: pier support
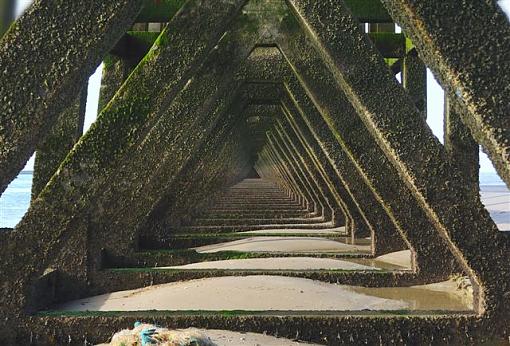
45, 75
7, 8
469, 60
462, 148
401, 132
63, 136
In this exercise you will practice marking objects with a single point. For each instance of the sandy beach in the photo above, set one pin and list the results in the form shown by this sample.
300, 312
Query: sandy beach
497, 201
278, 263
285, 244
269, 293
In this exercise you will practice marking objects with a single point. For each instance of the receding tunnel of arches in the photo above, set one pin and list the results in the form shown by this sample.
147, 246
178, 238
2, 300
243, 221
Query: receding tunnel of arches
256, 166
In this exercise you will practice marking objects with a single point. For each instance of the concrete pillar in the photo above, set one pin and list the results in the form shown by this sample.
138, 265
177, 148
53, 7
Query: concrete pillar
401, 132
462, 148
93, 168
467, 47
40, 78
414, 80
345, 122
115, 72
7, 8
58, 143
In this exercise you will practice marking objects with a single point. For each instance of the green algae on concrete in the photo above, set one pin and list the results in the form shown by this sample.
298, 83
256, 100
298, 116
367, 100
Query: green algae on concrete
401, 131
371, 11
159, 11
355, 140
45, 75
59, 221
7, 8
59, 142
396, 327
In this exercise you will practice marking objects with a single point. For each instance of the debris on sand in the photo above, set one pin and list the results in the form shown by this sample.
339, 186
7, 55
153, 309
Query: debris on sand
148, 334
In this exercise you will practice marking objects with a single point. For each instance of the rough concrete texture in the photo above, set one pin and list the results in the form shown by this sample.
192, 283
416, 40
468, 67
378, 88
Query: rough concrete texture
83, 173
356, 141
301, 98
471, 60
401, 131
63, 136
7, 8
43, 84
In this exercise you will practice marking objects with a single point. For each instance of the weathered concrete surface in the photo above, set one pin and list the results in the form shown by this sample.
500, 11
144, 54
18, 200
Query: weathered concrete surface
385, 237
172, 141
310, 171
461, 147
162, 10
61, 139
354, 222
43, 77
58, 237
338, 329
332, 198
221, 161
400, 131
471, 60
370, 162
414, 80
7, 8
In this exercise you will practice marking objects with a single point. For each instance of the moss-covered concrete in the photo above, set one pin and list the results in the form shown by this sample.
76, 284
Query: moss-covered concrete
7, 8
395, 328
471, 64
365, 10
401, 132
161, 258
353, 137
61, 139
61, 223
344, 130
44, 78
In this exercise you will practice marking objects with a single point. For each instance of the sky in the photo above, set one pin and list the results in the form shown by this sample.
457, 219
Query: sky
435, 99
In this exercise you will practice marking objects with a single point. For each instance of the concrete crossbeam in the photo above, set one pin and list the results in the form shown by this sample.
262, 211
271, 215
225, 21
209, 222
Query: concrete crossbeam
470, 60
401, 132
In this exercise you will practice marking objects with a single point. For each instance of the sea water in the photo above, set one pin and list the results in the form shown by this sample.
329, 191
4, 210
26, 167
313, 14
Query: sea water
15, 200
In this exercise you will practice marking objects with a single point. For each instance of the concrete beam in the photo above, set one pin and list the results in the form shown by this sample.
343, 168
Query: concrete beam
401, 132
45, 76
366, 11
7, 8
470, 60
320, 86
59, 142
93, 165
461, 147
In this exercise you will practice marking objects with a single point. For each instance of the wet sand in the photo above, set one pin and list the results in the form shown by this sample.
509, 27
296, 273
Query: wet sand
278, 263
497, 201
284, 244
338, 230
270, 293
228, 338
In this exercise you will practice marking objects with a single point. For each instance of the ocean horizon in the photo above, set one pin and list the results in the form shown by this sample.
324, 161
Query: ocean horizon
16, 199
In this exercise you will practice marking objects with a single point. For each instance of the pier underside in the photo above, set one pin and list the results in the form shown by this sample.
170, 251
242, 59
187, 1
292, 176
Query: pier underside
256, 166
